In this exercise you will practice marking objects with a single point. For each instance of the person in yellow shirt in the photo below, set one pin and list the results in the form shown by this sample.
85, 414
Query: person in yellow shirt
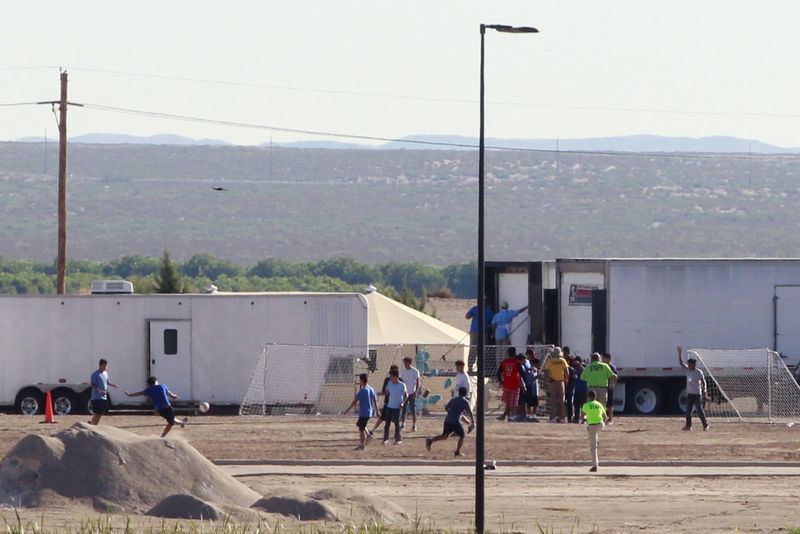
594, 413
556, 374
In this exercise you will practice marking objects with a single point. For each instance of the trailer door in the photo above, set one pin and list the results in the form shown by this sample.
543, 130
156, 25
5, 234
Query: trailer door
787, 323
170, 355
513, 288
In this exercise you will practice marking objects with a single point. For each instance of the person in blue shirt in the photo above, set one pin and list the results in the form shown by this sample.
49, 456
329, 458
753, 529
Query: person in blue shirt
99, 399
160, 396
367, 407
488, 314
396, 395
501, 322
452, 422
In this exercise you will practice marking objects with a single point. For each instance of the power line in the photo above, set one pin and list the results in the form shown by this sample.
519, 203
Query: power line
172, 116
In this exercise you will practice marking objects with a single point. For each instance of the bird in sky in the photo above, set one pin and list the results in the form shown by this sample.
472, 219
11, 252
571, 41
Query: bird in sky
217, 188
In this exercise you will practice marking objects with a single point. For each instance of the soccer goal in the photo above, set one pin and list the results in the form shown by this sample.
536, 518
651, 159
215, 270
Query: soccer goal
751, 385
304, 379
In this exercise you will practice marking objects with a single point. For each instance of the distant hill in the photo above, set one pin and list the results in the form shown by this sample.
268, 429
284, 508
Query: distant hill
119, 139
396, 205
630, 143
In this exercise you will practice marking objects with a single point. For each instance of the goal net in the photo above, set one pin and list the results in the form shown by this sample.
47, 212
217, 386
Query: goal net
753, 385
304, 379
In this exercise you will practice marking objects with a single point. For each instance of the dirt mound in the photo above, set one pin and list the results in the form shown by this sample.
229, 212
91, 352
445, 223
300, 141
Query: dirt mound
113, 470
302, 508
185, 507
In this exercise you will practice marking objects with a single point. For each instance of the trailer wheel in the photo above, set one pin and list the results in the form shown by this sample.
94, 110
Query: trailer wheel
29, 401
65, 402
645, 397
678, 398
85, 402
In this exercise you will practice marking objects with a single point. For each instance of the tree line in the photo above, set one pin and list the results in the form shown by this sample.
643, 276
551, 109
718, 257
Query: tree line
409, 282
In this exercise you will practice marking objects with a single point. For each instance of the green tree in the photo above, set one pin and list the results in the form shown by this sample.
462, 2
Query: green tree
208, 266
168, 280
132, 265
462, 279
413, 275
347, 269
270, 267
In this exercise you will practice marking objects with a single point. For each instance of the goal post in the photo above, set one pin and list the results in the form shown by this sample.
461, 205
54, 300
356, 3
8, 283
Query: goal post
304, 379
753, 385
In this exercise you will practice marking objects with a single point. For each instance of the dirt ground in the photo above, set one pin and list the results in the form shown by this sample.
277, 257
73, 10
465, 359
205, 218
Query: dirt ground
577, 502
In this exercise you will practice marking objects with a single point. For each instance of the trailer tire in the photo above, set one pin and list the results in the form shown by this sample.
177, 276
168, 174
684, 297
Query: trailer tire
86, 402
644, 397
65, 402
678, 398
29, 401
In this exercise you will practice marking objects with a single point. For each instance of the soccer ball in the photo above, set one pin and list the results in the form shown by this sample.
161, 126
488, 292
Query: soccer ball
204, 406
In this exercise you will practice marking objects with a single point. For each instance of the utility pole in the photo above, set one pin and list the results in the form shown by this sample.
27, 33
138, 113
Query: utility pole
61, 262
61, 265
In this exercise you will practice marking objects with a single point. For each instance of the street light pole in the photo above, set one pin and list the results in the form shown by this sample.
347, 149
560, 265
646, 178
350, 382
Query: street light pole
481, 392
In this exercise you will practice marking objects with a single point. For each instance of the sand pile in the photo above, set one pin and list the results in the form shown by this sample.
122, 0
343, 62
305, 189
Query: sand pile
115, 470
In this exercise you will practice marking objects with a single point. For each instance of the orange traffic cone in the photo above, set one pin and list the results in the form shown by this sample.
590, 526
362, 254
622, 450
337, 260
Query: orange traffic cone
48, 408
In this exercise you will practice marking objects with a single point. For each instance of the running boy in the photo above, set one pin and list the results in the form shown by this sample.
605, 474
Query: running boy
160, 396
367, 407
452, 422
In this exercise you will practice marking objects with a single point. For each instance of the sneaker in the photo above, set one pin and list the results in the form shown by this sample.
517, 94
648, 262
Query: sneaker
687, 428
360, 447
501, 417
428, 442
414, 427
705, 428
610, 422
491, 466
470, 428
457, 453
184, 421
593, 470
398, 441
386, 442
402, 426
370, 435
532, 419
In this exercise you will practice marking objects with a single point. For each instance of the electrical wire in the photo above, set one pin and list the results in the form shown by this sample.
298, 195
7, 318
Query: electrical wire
172, 116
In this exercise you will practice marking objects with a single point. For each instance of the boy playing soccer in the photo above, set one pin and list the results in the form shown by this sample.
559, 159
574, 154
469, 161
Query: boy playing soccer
160, 396
452, 423
367, 407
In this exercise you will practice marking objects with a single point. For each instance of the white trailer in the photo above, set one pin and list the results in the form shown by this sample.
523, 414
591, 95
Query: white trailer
202, 346
639, 310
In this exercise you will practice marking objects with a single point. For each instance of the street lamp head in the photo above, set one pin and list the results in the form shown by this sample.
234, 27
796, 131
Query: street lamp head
509, 29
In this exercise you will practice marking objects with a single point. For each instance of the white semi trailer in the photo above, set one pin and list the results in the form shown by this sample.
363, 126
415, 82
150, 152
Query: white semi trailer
638, 310
203, 346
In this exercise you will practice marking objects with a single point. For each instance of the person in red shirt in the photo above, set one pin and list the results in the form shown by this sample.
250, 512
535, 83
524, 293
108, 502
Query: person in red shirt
511, 373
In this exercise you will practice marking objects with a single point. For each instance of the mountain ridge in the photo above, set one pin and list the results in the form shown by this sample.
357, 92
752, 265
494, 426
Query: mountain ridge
627, 143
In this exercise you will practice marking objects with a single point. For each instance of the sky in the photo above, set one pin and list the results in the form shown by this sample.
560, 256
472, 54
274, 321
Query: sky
254, 72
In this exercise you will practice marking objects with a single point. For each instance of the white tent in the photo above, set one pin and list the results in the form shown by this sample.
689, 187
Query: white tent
393, 323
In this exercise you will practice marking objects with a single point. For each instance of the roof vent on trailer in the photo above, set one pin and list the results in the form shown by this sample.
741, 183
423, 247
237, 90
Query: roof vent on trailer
111, 287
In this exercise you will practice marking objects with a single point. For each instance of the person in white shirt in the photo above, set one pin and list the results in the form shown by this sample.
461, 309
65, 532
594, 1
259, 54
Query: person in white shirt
410, 377
695, 390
